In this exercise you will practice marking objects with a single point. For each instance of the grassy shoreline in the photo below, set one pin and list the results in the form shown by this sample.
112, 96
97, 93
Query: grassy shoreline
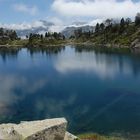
108, 48
112, 136
95, 136
25, 43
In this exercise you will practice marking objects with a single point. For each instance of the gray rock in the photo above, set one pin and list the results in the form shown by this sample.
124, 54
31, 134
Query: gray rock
8, 133
50, 129
135, 46
135, 43
69, 136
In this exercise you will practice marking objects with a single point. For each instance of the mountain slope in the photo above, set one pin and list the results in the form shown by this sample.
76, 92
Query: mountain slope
69, 31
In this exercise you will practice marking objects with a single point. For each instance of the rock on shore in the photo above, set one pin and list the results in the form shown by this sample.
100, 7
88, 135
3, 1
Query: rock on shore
135, 46
49, 129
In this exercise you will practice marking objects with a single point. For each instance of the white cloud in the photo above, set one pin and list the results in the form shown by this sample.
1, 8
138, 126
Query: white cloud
94, 22
55, 20
57, 27
32, 10
7, 90
58, 24
23, 26
90, 23
97, 8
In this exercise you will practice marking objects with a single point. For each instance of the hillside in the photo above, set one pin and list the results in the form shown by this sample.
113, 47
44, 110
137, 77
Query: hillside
123, 34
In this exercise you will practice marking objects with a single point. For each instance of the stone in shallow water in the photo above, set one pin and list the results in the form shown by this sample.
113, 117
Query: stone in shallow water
69, 136
50, 129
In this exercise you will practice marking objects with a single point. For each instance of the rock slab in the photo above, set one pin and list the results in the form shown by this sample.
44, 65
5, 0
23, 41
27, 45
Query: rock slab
49, 129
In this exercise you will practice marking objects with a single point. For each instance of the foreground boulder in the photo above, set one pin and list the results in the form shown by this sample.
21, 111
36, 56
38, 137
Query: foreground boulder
50, 129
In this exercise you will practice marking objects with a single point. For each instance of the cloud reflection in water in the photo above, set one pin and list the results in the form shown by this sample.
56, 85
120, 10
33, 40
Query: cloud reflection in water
11, 85
102, 65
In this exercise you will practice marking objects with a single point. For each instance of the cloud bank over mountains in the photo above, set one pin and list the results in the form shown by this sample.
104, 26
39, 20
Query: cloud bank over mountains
55, 25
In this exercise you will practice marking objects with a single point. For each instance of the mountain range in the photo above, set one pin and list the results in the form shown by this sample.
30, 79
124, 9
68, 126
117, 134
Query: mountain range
42, 26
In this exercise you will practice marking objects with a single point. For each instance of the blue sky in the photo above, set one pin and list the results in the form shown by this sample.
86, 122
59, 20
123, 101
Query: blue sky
18, 11
9, 14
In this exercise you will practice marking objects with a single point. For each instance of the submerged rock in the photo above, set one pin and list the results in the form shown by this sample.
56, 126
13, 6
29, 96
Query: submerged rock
135, 46
50, 129
69, 136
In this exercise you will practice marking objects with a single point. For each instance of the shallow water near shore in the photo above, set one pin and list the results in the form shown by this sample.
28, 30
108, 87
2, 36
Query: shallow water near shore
95, 91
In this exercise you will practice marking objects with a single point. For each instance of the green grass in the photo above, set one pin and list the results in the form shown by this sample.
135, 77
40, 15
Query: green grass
99, 137
18, 42
45, 42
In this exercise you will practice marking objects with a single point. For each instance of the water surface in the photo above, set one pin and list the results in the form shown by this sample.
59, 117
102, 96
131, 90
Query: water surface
96, 92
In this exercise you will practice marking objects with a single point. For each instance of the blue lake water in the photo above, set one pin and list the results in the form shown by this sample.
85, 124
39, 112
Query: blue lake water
96, 92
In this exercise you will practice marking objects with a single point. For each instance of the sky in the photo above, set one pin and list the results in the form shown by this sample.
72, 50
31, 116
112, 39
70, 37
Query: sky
65, 11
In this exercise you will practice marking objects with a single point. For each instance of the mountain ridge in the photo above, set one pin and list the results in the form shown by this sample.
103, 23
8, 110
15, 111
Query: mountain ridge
43, 26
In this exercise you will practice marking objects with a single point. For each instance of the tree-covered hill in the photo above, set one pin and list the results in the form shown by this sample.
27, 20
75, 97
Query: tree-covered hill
112, 33
6, 36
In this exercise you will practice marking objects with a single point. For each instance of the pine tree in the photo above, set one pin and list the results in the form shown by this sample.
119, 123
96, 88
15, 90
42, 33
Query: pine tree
30, 37
97, 28
41, 36
122, 22
137, 19
128, 21
46, 34
1, 32
122, 26
102, 26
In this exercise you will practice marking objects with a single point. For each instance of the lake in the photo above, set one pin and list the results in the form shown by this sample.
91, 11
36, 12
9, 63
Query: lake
95, 91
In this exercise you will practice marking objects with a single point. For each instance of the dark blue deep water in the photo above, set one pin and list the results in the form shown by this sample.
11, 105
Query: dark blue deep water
96, 92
